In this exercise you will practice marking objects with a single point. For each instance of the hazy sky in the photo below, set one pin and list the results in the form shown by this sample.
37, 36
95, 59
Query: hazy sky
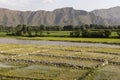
54, 4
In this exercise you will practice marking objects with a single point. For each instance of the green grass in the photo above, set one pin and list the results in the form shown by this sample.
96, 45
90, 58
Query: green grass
54, 33
2, 34
91, 40
57, 33
114, 34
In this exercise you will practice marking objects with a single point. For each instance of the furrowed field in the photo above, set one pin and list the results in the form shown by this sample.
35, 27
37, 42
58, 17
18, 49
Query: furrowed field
39, 41
48, 57
38, 62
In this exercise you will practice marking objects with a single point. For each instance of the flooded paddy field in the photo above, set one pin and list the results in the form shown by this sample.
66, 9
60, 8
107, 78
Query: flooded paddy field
46, 60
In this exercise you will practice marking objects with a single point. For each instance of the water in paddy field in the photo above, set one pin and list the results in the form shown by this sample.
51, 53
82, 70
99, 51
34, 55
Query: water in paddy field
2, 65
55, 43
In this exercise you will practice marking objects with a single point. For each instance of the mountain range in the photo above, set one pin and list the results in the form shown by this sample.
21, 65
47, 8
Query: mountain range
61, 16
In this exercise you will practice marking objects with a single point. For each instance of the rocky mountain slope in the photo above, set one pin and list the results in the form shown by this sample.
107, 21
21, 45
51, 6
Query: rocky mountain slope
111, 15
62, 16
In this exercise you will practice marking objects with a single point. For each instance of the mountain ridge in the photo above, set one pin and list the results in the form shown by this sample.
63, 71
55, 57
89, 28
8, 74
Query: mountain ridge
111, 15
60, 16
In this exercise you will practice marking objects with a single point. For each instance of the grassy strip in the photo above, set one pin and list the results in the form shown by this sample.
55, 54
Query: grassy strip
90, 40
3, 77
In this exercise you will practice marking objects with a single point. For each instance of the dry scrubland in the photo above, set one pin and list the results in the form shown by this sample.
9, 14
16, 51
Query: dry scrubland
32, 62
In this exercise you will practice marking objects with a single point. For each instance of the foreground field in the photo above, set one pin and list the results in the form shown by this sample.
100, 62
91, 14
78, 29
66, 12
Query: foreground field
35, 62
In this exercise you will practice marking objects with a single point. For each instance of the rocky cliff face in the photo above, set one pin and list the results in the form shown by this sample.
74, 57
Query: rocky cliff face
111, 15
63, 16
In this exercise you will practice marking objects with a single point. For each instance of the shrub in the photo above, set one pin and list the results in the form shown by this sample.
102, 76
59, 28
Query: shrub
96, 34
75, 33
107, 33
118, 33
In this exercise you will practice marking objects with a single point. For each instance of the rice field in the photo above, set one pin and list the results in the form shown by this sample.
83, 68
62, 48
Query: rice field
39, 62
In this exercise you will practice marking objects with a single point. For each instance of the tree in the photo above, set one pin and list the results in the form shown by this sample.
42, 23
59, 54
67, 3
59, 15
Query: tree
68, 28
86, 33
75, 33
29, 31
24, 29
118, 32
96, 34
82, 27
36, 29
107, 33
42, 28
1, 28
18, 30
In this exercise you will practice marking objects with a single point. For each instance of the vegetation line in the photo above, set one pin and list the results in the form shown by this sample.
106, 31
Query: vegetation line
70, 57
82, 40
4, 77
84, 33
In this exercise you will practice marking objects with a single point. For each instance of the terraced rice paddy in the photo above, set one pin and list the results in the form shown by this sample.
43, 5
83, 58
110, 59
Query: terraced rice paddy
39, 62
